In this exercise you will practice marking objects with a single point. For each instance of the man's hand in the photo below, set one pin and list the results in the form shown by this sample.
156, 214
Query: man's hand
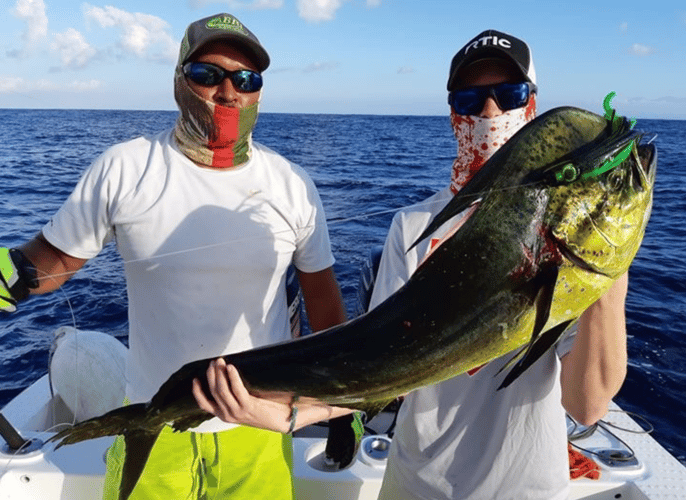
231, 402
17, 277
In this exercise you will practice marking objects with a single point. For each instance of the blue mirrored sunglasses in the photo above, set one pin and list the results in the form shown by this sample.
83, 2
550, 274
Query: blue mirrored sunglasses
209, 75
471, 100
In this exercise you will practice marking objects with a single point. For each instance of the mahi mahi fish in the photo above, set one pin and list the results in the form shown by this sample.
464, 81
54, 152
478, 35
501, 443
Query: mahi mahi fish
557, 214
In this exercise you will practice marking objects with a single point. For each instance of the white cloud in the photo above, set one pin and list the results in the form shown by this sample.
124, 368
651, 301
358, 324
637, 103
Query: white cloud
318, 10
10, 84
405, 70
143, 35
83, 85
672, 100
641, 50
33, 13
73, 49
265, 4
624, 27
320, 66
238, 5
43, 85
325, 10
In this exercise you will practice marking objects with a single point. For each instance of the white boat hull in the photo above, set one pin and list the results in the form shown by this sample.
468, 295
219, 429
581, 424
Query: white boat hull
77, 471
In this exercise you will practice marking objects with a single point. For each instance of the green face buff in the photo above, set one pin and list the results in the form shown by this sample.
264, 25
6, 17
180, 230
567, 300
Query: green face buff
209, 134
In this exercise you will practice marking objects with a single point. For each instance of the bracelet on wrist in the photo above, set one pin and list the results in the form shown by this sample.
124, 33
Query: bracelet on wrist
294, 415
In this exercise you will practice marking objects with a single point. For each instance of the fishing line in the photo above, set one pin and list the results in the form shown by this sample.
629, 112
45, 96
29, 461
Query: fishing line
36, 440
48, 104
55, 277
330, 222
615, 121
52, 350
631, 453
247, 239
605, 425
609, 164
52, 403
635, 416
30, 97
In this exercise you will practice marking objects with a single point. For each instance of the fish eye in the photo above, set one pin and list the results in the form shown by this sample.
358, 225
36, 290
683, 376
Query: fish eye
568, 173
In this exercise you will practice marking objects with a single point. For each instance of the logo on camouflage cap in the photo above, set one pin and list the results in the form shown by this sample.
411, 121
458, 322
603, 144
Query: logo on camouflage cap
221, 27
226, 23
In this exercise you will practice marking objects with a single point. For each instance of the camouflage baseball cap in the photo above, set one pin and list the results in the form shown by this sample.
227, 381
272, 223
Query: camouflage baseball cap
222, 27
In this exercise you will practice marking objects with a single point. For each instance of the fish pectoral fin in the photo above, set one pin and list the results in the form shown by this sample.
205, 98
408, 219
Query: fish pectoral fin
545, 281
194, 419
535, 351
138, 445
544, 288
517, 356
456, 205
471, 192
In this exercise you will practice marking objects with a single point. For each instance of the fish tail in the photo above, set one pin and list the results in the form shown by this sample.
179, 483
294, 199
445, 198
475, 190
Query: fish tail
138, 444
117, 421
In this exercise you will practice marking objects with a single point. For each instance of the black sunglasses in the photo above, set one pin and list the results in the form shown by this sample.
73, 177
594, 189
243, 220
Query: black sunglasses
507, 96
209, 75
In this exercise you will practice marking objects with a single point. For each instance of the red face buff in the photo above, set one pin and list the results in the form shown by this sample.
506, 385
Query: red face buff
209, 134
478, 138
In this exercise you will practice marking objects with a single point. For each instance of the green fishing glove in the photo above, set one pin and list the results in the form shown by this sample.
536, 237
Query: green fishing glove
17, 277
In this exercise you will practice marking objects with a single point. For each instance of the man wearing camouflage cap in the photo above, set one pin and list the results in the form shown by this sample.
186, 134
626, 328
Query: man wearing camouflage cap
207, 222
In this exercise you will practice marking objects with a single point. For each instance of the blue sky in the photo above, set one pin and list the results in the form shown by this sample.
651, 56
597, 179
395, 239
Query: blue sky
345, 56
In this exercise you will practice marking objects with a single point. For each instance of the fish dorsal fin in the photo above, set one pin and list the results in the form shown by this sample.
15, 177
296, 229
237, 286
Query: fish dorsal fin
471, 192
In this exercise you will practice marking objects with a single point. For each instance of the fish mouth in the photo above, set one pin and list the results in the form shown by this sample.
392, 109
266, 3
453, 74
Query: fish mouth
647, 156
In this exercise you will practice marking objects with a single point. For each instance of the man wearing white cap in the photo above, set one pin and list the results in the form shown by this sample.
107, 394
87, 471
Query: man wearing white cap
207, 222
463, 438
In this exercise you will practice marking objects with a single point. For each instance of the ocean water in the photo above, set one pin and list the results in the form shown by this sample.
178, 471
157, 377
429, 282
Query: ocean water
366, 167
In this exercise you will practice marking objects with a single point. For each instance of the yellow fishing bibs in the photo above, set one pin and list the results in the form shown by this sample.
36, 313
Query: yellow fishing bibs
238, 464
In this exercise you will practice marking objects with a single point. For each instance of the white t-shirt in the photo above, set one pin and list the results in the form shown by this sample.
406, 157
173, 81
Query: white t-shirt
205, 251
462, 438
